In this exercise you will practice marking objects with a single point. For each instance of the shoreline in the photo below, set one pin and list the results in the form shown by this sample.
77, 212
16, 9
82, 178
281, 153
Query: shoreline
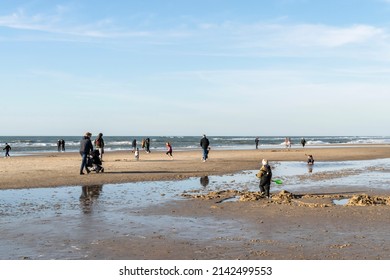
62, 169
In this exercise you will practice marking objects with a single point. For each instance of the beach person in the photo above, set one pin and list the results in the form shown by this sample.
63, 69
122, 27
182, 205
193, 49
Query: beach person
143, 143
310, 159
257, 142
86, 148
134, 145
303, 142
7, 148
136, 154
63, 145
265, 176
147, 145
169, 149
205, 143
59, 145
287, 142
99, 145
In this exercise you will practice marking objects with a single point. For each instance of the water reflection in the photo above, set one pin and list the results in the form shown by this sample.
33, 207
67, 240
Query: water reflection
310, 168
204, 181
89, 194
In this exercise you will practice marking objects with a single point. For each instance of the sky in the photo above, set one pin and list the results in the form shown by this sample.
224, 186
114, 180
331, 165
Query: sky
182, 68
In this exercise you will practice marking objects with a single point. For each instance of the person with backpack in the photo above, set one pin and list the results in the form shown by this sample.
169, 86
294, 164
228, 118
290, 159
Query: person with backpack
99, 144
265, 176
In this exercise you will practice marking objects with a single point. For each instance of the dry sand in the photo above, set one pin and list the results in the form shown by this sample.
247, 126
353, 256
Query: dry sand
286, 227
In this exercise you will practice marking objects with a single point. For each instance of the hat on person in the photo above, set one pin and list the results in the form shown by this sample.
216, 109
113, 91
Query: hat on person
264, 161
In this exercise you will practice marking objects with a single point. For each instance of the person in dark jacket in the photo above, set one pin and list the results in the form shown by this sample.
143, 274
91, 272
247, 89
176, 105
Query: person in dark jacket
147, 145
265, 175
205, 143
99, 144
134, 145
7, 149
86, 148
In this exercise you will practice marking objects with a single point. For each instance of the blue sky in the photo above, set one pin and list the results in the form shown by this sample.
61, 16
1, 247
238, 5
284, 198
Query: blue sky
282, 67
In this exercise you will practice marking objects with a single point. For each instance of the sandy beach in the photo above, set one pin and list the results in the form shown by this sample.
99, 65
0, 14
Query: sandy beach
62, 169
288, 226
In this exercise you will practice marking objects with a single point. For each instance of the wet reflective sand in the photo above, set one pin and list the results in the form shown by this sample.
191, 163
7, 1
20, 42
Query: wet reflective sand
68, 222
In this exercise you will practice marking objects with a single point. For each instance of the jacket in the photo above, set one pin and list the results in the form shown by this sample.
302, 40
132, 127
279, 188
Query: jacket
86, 145
265, 175
204, 143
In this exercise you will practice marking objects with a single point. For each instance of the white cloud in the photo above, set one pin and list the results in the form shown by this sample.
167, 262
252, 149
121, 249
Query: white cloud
56, 23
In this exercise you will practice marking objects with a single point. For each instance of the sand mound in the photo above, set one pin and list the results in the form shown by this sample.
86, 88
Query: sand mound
366, 200
285, 197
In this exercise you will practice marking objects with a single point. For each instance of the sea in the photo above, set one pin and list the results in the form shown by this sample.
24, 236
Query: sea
29, 145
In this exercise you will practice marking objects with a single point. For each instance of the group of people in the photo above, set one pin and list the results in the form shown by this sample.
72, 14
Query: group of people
265, 172
145, 144
87, 149
91, 157
287, 142
61, 145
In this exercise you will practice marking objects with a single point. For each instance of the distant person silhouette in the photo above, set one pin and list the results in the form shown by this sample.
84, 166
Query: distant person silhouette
7, 149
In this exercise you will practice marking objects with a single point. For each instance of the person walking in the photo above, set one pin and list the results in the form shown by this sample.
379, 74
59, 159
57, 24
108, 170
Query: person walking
99, 144
169, 149
7, 148
205, 143
86, 148
265, 176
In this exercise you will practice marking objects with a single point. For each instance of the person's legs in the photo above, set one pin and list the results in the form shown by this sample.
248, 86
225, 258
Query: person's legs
262, 190
83, 163
101, 153
204, 154
267, 187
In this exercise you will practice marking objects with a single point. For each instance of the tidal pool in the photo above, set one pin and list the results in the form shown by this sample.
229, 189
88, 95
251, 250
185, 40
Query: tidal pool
56, 223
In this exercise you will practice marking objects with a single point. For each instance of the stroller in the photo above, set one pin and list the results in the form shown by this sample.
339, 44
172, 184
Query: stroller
94, 162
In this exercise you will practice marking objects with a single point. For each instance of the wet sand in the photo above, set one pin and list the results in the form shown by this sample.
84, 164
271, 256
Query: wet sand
289, 226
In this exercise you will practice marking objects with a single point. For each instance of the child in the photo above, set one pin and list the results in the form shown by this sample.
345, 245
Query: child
310, 160
169, 148
265, 175
136, 154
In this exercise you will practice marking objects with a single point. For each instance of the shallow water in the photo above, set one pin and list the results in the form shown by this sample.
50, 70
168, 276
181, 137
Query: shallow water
341, 202
58, 223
